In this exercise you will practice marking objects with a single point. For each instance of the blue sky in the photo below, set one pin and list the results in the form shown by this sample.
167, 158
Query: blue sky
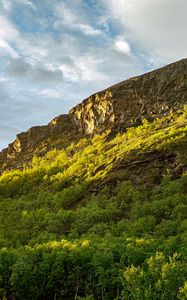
55, 53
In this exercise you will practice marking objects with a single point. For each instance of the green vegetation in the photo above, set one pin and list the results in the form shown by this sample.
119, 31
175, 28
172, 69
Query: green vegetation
102, 219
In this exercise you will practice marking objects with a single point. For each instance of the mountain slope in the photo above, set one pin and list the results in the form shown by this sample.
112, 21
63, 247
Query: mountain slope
121, 106
100, 216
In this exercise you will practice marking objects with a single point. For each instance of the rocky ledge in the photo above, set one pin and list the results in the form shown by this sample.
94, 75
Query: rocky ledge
151, 95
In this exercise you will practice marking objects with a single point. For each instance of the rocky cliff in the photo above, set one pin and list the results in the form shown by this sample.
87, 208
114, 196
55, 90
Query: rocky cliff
123, 105
37, 141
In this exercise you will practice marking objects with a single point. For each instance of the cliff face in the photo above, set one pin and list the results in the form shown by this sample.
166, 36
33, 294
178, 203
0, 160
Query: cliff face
116, 108
125, 104
37, 141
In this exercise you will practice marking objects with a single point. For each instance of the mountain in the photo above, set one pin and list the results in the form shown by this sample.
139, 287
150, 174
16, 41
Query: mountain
93, 205
123, 105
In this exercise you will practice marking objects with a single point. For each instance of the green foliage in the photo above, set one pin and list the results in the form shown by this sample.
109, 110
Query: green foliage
101, 219
158, 279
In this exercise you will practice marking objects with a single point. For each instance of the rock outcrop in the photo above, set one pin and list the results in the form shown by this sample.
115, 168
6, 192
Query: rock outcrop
123, 105
37, 141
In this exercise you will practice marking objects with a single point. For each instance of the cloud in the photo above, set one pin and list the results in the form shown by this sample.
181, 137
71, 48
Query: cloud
45, 56
7, 30
7, 33
157, 28
72, 17
39, 74
87, 29
6, 49
122, 46
18, 68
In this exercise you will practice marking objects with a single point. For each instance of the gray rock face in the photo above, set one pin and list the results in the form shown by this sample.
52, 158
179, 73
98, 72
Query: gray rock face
36, 141
123, 105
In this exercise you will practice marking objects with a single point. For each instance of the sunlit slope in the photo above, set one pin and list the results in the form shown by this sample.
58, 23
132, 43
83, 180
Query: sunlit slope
153, 149
123, 105
102, 219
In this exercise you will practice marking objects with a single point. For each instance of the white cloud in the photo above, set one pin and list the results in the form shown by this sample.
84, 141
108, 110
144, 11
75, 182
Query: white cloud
123, 46
6, 48
87, 29
88, 66
7, 30
70, 17
157, 27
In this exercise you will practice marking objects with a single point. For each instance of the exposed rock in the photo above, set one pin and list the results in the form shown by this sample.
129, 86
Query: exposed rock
37, 140
123, 105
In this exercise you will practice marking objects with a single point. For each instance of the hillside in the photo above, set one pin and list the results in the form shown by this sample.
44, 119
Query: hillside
123, 105
93, 205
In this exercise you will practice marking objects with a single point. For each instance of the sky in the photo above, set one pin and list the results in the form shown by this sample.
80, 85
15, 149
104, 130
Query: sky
55, 53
